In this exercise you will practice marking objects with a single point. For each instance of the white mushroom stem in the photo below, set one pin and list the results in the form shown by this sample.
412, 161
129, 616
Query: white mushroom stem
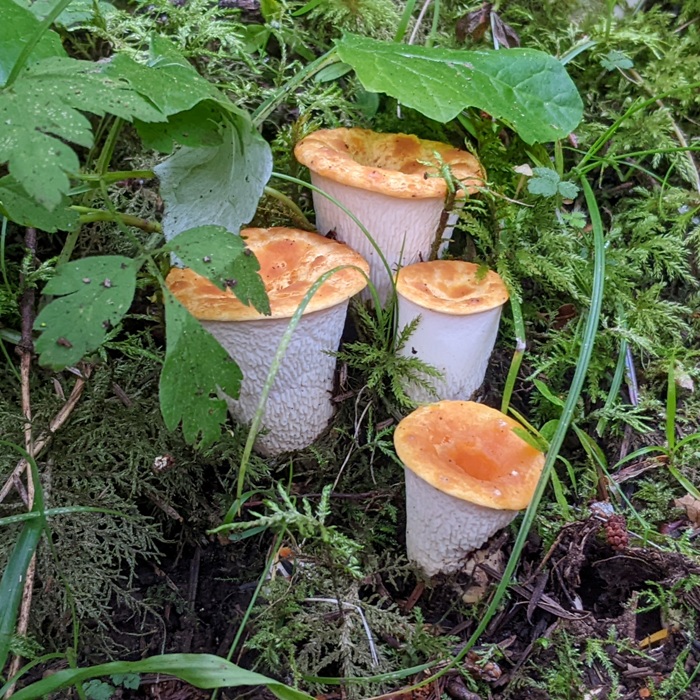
299, 405
442, 530
403, 228
458, 346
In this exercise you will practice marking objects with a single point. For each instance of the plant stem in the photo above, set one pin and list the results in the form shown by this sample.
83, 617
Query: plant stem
91, 215
296, 213
403, 23
520, 347
34, 40
117, 175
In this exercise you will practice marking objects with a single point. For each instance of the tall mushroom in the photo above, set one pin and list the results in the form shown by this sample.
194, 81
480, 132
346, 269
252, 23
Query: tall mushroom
299, 404
386, 181
459, 308
467, 475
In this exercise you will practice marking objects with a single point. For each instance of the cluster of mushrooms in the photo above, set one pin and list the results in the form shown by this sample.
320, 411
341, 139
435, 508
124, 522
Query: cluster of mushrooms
468, 472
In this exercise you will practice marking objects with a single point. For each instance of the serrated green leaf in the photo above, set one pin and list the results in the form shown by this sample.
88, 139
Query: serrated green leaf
39, 113
98, 690
616, 59
19, 207
220, 185
528, 89
132, 681
568, 190
95, 293
195, 367
17, 25
545, 182
223, 257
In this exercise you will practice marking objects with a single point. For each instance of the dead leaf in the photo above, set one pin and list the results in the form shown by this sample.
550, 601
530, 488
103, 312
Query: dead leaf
504, 33
474, 25
691, 506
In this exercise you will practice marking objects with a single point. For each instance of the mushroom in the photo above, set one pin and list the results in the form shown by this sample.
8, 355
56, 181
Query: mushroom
299, 405
383, 179
459, 305
467, 475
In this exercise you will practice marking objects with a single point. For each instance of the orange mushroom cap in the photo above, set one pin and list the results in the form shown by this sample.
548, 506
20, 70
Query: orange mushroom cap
471, 452
291, 260
389, 164
451, 286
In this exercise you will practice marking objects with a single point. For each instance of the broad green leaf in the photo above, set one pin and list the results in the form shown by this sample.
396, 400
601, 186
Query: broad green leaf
39, 113
528, 89
222, 257
195, 367
168, 79
545, 182
94, 294
23, 210
220, 185
200, 670
200, 126
79, 12
17, 25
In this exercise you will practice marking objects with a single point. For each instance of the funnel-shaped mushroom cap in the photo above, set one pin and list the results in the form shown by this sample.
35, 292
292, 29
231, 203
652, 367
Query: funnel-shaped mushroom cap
392, 185
467, 475
290, 260
388, 164
470, 451
451, 287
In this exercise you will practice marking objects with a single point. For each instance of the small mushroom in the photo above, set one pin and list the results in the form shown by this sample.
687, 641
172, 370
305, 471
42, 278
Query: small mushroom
383, 179
299, 405
467, 475
459, 305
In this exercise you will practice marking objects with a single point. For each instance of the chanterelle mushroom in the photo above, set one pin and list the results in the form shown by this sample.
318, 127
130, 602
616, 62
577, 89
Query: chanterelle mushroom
459, 305
299, 405
386, 182
467, 476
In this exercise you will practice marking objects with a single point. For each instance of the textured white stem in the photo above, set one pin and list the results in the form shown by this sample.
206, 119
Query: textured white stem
442, 530
404, 229
458, 346
299, 405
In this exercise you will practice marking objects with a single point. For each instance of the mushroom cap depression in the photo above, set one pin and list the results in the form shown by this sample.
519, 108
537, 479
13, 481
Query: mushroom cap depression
471, 452
291, 260
451, 287
386, 163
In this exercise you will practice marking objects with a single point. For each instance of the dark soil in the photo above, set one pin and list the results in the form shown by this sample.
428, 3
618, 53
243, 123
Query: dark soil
582, 588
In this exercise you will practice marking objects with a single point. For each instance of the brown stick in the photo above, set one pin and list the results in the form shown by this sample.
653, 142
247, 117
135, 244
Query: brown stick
45, 437
26, 351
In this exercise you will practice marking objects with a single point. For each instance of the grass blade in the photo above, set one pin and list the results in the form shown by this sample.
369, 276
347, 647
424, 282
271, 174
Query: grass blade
199, 670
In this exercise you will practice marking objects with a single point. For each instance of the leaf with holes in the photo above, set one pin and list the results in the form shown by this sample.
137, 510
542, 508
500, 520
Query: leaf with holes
195, 368
223, 257
527, 89
39, 116
94, 294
